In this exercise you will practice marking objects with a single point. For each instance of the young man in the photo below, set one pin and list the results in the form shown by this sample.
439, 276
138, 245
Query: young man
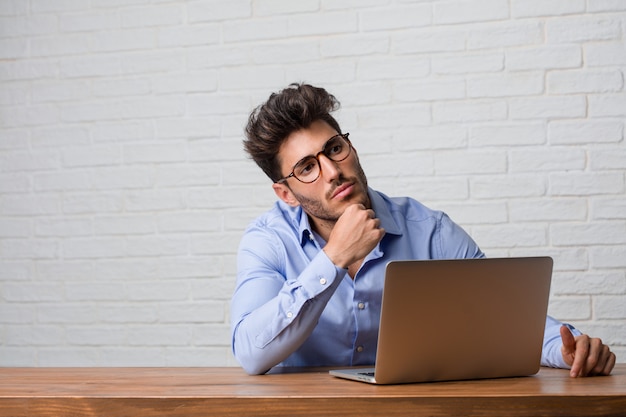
310, 270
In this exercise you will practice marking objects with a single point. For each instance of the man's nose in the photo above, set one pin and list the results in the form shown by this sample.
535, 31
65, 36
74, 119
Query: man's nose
329, 168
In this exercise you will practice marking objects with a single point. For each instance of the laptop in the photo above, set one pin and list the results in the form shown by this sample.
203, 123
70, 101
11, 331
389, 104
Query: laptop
445, 320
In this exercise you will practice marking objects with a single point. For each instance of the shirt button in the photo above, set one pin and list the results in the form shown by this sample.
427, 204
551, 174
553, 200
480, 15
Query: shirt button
361, 305
289, 314
323, 281
359, 349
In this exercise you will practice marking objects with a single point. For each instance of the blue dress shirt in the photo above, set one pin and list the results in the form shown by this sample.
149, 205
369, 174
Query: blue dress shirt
293, 307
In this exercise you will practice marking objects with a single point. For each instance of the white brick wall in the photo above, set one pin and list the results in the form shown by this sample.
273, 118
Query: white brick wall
124, 189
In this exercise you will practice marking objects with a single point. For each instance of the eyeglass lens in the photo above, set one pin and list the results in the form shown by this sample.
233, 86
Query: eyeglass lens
308, 169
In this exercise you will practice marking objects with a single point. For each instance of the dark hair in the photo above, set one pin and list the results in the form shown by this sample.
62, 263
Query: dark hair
292, 109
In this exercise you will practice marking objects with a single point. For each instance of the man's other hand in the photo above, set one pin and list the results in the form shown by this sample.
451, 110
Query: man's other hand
587, 356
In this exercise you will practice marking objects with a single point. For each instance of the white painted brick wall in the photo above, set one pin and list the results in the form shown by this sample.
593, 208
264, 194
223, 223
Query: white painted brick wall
124, 189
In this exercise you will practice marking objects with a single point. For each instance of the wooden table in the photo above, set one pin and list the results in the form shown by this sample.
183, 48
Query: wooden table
192, 392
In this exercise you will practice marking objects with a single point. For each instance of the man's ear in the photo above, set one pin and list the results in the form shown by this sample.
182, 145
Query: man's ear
283, 192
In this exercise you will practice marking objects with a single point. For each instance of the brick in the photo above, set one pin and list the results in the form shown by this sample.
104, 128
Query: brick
572, 82
547, 159
469, 111
93, 336
15, 183
582, 29
544, 57
197, 35
88, 21
431, 137
321, 73
608, 208
607, 105
66, 313
100, 247
43, 6
204, 104
189, 222
608, 256
28, 70
464, 11
510, 236
13, 48
153, 200
59, 137
465, 213
600, 160
88, 202
166, 15
610, 307
286, 52
33, 115
178, 176
464, 162
161, 335
497, 35
30, 204
95, 291
520, 84
429, 90
249, 30
197, 82
194, 312
329, 23
126, 40
547, 107
16, 271
598, 233
124, 225
122, 87
61, 181
91, 156
582, 184
510, 186
60, 45
47, 159
547, 211
512, 134
35, 335
358, 45
606, 282
467, 63
155, 152
606, 5
88, 66
159, 245
570, 308
427, 40
536, 8
396, 17
216, 10
32, 292
63, 227
395, 116
67, 356
585, 132
276, 7
602, 54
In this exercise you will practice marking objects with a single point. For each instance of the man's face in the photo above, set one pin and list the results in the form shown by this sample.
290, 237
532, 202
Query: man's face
339, 185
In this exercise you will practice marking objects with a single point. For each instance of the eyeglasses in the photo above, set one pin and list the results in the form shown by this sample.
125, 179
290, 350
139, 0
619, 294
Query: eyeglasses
308, 169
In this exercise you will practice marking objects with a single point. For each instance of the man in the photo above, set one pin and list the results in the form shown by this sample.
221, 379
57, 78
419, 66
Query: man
310, 270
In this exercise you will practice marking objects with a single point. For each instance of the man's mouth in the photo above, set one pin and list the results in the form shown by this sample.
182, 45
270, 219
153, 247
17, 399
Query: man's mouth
342, 190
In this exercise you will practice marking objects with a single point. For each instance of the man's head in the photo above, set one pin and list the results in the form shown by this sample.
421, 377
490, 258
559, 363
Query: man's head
292, 109
293, 126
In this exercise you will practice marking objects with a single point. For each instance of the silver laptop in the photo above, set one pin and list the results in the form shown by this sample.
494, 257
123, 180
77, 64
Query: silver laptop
460, 319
